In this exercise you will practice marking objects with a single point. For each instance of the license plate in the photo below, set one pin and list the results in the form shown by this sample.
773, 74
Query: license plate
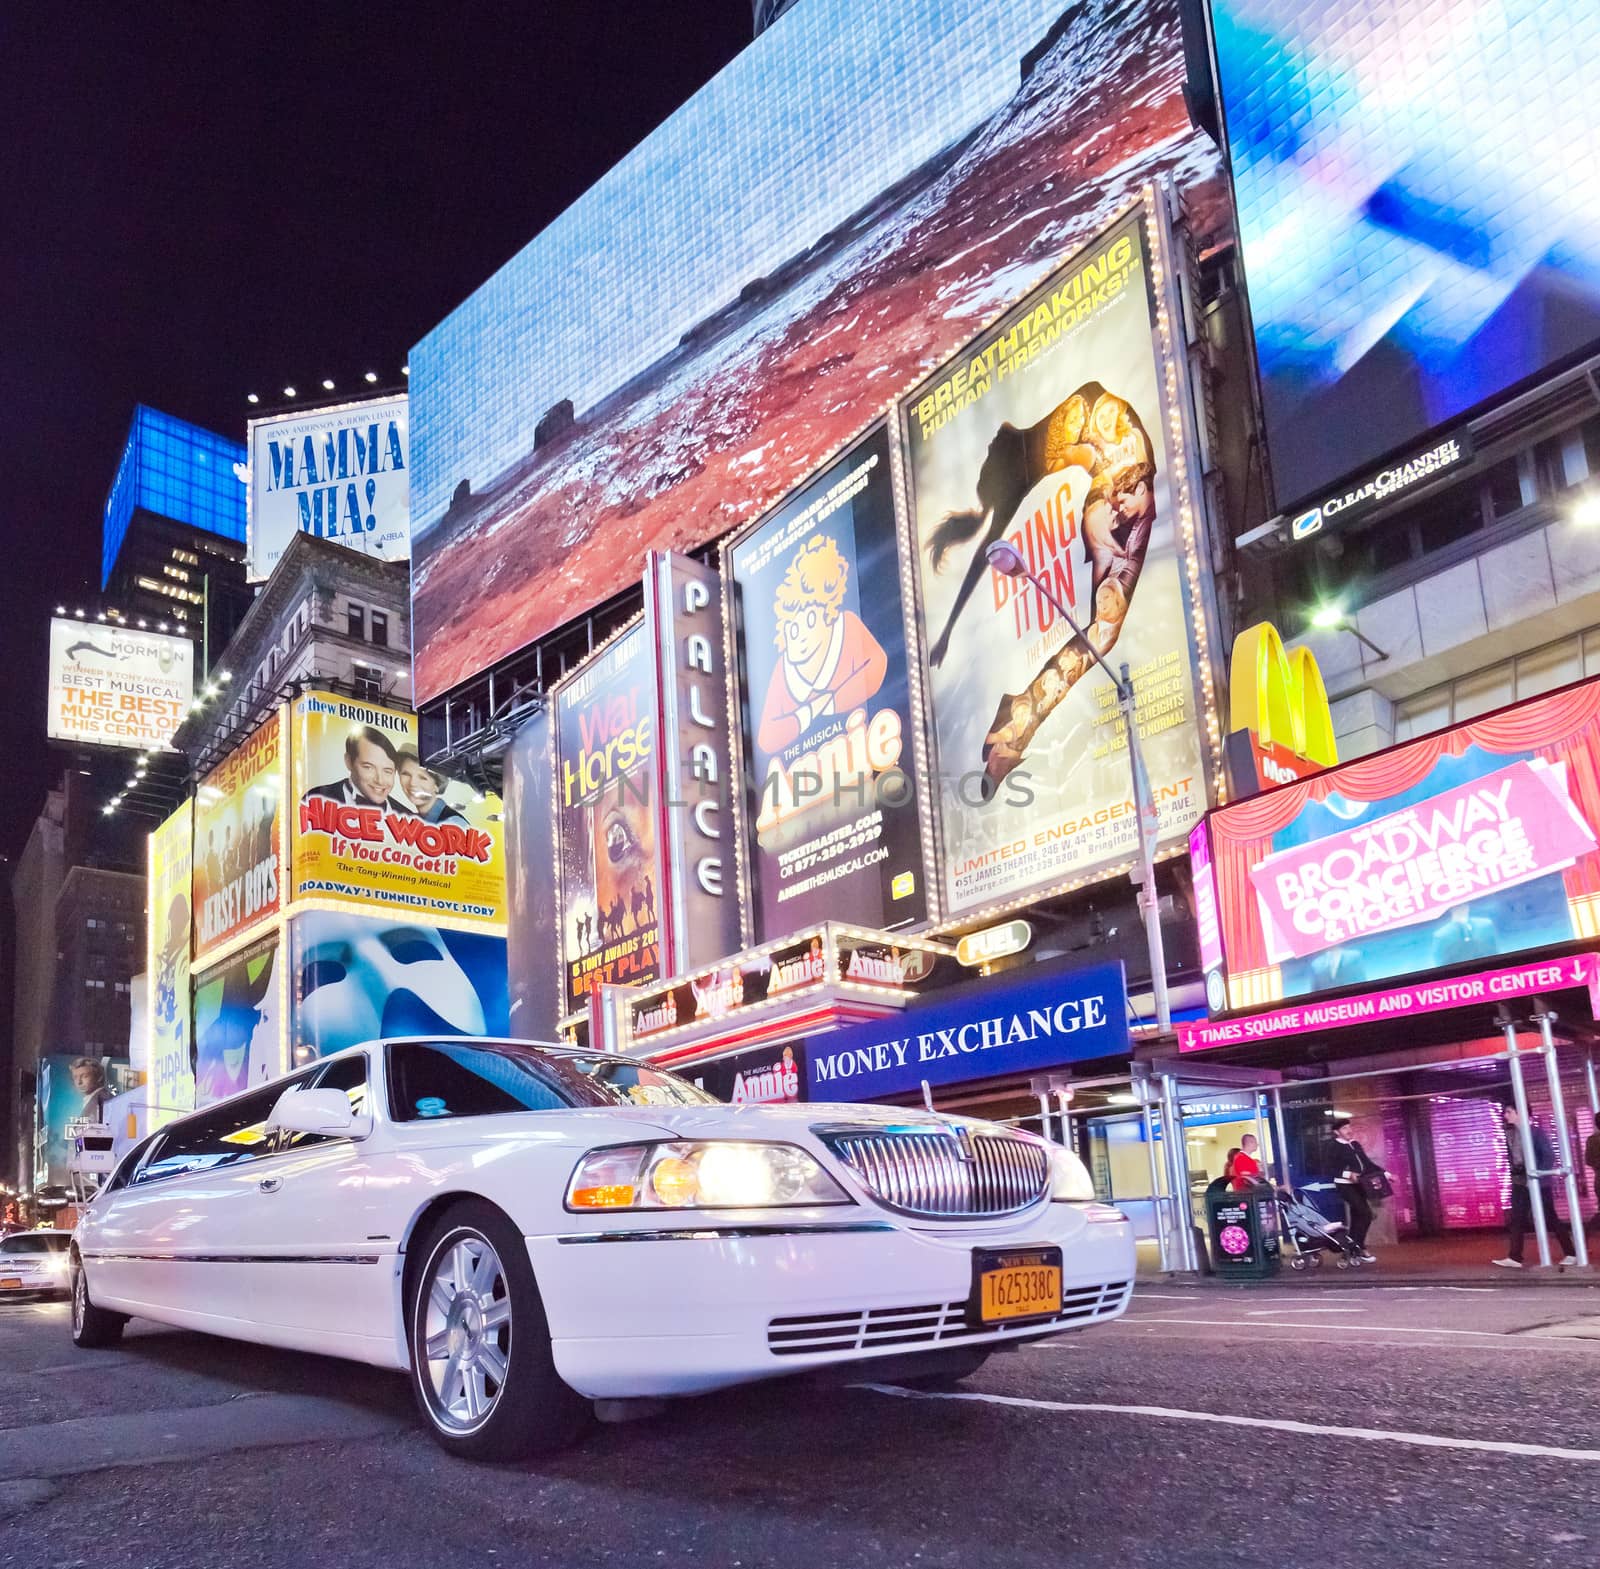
1012, 1284
9, 1281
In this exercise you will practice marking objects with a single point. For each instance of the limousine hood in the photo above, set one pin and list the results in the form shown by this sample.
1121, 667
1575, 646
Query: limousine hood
784, 1121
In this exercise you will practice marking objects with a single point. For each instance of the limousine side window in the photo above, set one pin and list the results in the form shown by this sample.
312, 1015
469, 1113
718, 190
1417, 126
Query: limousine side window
454, 1079
234, 1131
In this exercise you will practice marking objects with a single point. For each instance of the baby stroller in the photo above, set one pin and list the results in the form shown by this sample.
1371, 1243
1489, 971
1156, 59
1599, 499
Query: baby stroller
1313, 1234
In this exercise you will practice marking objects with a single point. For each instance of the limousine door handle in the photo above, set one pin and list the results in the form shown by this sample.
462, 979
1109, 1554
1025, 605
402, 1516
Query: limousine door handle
271, 1184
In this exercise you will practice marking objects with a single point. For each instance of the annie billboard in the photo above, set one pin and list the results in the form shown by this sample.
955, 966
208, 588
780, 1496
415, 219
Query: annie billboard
832, 828
1474, 844
1053, 430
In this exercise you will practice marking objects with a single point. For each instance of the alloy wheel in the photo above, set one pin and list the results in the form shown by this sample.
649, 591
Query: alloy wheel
465, 1331
80, 1299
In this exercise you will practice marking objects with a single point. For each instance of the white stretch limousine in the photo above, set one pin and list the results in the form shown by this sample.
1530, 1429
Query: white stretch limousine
526, 1229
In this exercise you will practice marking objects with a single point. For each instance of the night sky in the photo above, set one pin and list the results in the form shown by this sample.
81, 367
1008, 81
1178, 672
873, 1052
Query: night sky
202, 201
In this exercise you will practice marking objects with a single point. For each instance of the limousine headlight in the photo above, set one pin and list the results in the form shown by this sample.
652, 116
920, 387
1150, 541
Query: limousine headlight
1070, 1182
717, 1174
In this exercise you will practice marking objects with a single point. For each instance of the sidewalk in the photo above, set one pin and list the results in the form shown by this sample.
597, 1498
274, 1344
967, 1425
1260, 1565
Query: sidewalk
1460, 1259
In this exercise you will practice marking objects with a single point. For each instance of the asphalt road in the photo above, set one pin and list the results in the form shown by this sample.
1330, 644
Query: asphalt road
1213, 1426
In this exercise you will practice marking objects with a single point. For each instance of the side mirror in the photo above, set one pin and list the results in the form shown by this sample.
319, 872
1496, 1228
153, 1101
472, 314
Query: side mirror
325, 1112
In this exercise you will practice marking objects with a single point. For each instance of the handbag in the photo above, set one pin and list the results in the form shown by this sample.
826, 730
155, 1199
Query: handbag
1376, 1185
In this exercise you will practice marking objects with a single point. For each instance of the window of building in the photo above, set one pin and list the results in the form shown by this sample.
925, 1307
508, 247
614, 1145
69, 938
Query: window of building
367, 681
380, 628
356, 621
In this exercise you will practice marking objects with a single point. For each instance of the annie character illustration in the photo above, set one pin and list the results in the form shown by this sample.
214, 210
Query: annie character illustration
829, 662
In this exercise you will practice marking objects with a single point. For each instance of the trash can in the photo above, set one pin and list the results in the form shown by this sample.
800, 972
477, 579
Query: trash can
1244, 1234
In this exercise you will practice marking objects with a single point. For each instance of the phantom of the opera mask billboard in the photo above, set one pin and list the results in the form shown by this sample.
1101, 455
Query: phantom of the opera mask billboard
833, 829
1465, 847
238, 1025
359, 978
1051, 432
375, 825
238, 840
168, 941
608, 819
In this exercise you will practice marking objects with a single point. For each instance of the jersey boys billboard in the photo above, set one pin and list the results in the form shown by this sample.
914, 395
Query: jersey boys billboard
1475, 844
1050, 430
375, 825
111, 686
340, 473
833, 830
239, 840
608, 819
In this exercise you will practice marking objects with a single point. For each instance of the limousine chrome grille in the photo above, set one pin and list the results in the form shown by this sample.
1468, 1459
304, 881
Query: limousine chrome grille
944, 1173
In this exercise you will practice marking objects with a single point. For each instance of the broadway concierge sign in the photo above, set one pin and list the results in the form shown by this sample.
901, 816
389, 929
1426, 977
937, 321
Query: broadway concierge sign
1474, 844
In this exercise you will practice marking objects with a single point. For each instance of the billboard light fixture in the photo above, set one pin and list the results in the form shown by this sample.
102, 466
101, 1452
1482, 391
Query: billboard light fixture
327, 385
371, 376
405, 370
288, 392
224, 676
1586, 511
61, 610
1332, 617
252, 397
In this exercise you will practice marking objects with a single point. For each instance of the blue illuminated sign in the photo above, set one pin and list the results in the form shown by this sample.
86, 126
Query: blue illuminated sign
1043, 1018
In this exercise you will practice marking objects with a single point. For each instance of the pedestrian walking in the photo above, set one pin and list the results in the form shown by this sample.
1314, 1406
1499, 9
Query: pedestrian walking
1523, 1187
1357, 1178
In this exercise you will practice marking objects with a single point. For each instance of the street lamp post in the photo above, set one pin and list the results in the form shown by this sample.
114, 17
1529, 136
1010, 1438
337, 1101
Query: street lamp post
1006, 559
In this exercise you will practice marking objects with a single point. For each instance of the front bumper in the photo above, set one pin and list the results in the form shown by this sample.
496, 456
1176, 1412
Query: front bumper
655, 1311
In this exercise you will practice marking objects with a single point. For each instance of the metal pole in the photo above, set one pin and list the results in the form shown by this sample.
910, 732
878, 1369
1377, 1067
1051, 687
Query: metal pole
1558, 1110
1178, 1171
1144, 811
1284, 1175
1158, 1201
1594, 1084
1063, 1102
1044, 1115
1530, 1166
1144, 805
1261, 1131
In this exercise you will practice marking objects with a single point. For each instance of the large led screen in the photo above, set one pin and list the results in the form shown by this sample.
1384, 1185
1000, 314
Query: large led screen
1418, 190
859, 193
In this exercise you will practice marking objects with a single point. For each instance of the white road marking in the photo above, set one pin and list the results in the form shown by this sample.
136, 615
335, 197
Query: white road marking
1273, 1312
1492, 1446
1363, 1329
1506, 1346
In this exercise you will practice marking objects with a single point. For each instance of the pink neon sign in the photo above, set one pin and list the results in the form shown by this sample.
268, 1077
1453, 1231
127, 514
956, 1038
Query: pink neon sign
1416, 864
1400, 1002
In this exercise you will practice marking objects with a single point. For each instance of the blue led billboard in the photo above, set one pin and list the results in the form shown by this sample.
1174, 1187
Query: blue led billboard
178, 471
1418, 189
854, 197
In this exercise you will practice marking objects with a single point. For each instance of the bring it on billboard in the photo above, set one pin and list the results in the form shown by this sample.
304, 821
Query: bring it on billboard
1051, 431
112, 686
337, 473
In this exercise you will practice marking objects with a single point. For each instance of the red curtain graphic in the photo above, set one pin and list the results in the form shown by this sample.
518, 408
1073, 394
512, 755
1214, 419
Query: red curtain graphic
1562, 728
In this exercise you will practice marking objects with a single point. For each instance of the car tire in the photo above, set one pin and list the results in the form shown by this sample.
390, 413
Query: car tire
92, 1327
482, 1370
